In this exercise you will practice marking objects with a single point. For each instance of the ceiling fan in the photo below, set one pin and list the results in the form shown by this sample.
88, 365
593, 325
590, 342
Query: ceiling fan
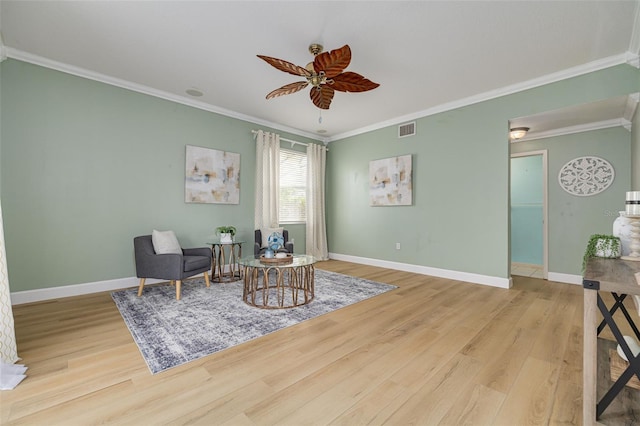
326, 74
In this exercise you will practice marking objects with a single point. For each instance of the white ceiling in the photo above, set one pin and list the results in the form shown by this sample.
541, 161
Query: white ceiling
427, 56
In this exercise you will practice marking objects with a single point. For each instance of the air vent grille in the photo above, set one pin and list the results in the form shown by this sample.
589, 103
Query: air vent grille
407, 129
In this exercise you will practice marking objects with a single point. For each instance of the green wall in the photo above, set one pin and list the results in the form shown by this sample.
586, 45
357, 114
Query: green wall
573, 219
459, 219
86, 166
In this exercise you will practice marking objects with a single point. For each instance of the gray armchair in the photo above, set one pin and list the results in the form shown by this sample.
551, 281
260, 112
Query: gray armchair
173, 267
258, 249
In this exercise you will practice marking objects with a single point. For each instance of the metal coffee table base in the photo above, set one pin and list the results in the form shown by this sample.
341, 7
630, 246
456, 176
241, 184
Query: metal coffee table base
276, 287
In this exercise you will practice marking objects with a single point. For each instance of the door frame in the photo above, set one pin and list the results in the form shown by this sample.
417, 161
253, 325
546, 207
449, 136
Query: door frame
545, 206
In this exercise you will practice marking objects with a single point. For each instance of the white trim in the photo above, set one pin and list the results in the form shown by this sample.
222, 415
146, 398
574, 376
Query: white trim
599, 125
632, 105
91, 75
427, 270
507, 90
545, 207
628, 57
38, 295
565, 278
634, 42
3, 49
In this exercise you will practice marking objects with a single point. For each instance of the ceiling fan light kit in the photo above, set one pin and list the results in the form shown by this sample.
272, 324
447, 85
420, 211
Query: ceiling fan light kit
325, 74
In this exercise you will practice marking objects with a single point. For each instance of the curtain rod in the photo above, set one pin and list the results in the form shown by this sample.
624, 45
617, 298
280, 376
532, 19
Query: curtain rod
292, 142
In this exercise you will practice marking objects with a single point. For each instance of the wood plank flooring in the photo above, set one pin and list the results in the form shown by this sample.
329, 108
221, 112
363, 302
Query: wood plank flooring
432, 352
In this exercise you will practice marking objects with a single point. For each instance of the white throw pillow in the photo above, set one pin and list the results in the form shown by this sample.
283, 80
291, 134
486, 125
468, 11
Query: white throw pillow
268, 231
165, 242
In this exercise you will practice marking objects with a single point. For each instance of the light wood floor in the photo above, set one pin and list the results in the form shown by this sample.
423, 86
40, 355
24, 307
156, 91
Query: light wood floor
434, 351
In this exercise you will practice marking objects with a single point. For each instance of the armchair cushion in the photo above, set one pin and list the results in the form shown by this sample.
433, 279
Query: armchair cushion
165, 242
192, 263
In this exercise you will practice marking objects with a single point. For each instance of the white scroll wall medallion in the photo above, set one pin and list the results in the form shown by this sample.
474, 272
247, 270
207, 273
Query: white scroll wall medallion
585, 176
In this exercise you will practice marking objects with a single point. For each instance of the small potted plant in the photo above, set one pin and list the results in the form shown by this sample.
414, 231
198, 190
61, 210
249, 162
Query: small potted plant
599, 245
226, 233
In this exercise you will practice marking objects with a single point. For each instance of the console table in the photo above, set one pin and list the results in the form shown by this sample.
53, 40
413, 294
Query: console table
617, 277
225, 256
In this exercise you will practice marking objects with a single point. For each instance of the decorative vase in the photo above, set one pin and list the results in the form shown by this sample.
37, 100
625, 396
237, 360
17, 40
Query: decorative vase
632, 204
226, 238
605, 248
622, 229
275, 241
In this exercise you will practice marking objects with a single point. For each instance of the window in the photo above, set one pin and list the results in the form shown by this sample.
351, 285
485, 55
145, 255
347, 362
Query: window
293, 186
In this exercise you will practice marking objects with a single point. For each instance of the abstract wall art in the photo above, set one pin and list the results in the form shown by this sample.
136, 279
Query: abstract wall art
390, 182
211, 176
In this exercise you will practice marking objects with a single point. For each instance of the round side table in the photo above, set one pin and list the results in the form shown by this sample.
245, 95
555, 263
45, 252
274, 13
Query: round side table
224, 264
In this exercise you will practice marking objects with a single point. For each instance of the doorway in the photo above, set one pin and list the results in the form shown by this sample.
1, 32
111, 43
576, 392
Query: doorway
528, 214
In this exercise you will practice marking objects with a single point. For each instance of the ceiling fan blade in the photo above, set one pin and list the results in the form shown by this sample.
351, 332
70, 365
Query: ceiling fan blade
285, 66
352, 82
334, 62
288, 89
321, 96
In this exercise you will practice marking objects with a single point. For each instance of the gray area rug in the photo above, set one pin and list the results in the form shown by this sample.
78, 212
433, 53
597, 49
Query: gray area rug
171, 332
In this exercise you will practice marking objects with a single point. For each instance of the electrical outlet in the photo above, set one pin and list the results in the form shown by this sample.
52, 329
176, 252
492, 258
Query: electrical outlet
397, 246
293, 241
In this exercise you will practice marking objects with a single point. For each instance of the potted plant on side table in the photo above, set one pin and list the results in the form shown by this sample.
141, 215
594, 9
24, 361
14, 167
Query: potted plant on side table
599, 245
226, 233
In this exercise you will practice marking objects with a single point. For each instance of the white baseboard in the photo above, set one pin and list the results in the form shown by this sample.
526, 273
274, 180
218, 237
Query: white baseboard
565, 278
38, 295
41, 294
427, 270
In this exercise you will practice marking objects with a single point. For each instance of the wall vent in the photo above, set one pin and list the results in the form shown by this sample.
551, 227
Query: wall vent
407, 129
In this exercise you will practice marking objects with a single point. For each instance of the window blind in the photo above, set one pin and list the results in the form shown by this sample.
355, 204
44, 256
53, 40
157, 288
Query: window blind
293, 186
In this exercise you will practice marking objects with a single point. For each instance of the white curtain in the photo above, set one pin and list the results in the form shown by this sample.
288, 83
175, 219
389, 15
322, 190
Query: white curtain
10, 374
8, 349
267, 179
316, 234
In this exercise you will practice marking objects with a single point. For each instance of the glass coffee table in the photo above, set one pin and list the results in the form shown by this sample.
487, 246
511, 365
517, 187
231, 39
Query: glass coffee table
278, 283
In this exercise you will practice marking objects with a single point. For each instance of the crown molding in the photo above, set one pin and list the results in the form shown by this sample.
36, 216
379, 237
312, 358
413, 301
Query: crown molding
634, 43
507, 90
102, 78
3, 49
608, 62
605, 124
632, 105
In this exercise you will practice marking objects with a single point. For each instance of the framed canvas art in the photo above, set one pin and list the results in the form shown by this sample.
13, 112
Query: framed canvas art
211, 176
390, 182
